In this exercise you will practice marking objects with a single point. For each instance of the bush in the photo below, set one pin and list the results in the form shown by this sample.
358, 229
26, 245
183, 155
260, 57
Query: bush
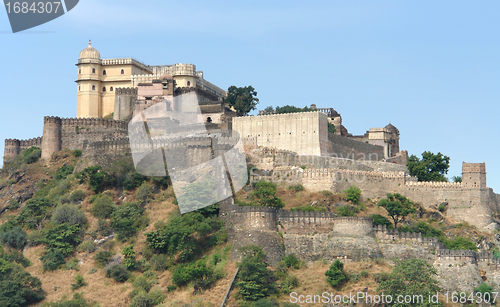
18, 287
296, 188
87, 246
64, 171
34, 211
34, 238
264, 302
381, 220
335, 275
265, 194
79, 282
14, 204
291, 261
484, 289
52, 260
347, 211
16, 238
32, 154
17, 257
103, 207
142, 283
459, 243
353, 194
187, 273
254, 277
77, 196
288, 283
127, 219
160, 262
102, 258
62, 238
129, 255
69, 214
118, 272
144, 192
76, 153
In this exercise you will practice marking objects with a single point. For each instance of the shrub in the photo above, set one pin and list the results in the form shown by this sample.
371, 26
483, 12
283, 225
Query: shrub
459, 243
381, 220
18, 287
335, 275
265, 194
187, 273
64, 171
291, 261
87, 246
160, 262
69, 214
254, 277
264, 302
79, 282
17, 257
129, 255
62, 238
32, 154
34, 212
363, 274
14, 204
144, 192
353, 193
102, 258
296, 188
486, 292
346, 211
16, 238
77, 196
118, 272
52, 260
103, 207
34, 238
73, 265
142, 283
127, 219
76, 153
288, 283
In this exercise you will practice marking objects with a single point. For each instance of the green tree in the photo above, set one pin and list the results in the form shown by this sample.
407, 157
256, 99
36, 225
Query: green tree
265, 194
432, 167
17, 287
335, 275
456, 178
103, 207
413, 277
292, 109
398, 207
331, 128
144, 192
381, 220
242, 99
129, 255
253, 275
353, 194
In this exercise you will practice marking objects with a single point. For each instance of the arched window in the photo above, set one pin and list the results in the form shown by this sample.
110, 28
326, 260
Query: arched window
209, 119
103, 88
189, 83
93, 87
104, 72
111, 89
93, 70
123, 72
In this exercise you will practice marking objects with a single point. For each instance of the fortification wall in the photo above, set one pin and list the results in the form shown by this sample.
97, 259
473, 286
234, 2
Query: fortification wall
353, 226
347, 148
304, 133
124, 103
299, 222
14, 146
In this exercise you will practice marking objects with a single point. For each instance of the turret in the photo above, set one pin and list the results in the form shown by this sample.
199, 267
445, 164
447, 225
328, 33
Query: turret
89, 83
51, 140
474, 175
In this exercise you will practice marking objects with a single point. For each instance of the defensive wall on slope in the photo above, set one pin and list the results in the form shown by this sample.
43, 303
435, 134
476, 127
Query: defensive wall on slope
14, 146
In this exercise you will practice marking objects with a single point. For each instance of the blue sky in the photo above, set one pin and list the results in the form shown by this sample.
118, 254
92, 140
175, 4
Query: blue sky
430, 68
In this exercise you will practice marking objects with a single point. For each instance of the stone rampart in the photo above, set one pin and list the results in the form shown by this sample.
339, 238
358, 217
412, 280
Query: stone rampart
14, 146
300, 222
353, 226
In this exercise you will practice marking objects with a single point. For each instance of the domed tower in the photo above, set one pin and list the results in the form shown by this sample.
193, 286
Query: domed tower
89, 83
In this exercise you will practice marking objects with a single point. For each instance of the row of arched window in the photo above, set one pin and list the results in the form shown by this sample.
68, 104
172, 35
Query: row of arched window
103, 88
103, 72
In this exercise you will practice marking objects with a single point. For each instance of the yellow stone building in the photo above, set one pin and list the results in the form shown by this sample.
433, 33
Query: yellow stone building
99, 78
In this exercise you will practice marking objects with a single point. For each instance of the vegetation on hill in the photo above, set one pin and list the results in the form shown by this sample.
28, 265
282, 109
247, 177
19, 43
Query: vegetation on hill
432, 167
398, 207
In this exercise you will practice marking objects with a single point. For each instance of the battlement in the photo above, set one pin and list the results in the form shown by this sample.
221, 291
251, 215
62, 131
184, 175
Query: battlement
473, 167
434, 184
272, 116
357, 226
126, 91
12, 142
117, 144
51, 120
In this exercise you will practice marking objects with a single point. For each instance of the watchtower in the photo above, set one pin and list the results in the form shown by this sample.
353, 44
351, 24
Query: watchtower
474, 175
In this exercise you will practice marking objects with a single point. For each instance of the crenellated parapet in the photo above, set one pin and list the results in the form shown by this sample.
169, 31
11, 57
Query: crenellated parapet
384, 234
434, 184
456, 255
94, 122
126, 91
25, 144
302, 222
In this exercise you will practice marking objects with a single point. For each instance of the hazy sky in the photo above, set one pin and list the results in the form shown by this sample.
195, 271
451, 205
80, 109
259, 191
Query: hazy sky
431, 68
